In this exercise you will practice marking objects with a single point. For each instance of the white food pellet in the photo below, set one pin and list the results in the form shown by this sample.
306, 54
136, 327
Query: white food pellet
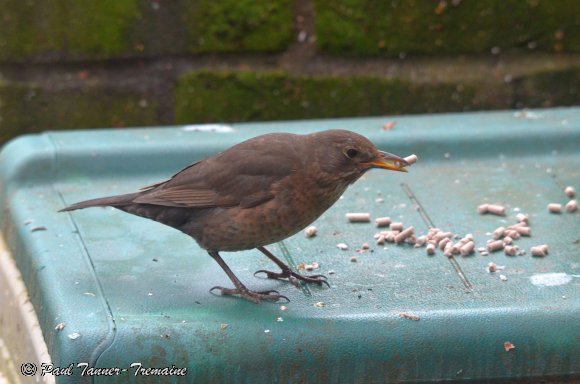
412, 159
396, 226
492, 267
570, 191
482, 208
512, 233
467, 248
498, 233
510, 250
520, 224
503, 277
496, 209
383, 221
508, 240
442, 235
495, 246
404, 234
524, 231
443, 243
430, 249
537, 251
359, 217
448, 250
522, 218
421, 240
555, 208
342, 246
310, 231
572, 206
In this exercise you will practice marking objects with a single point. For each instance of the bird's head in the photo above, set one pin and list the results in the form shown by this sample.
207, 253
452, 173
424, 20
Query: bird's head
349, 155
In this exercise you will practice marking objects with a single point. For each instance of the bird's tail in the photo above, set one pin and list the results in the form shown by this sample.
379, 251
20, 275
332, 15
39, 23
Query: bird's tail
113, 201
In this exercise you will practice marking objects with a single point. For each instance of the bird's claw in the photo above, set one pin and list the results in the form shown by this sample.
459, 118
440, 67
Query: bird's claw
294, 277
254, 297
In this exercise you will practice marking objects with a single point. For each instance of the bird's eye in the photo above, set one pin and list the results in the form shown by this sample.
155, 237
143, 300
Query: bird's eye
351, 153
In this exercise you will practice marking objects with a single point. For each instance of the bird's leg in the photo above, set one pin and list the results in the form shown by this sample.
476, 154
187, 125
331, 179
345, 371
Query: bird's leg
240, 289
289, 274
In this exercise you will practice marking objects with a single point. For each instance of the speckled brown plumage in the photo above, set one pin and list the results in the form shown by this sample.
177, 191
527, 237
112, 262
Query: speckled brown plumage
257, 193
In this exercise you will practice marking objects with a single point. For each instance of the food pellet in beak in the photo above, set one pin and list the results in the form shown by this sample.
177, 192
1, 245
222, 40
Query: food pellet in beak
412, 159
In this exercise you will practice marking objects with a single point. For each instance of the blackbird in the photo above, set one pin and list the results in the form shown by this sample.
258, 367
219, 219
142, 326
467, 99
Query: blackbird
256, 193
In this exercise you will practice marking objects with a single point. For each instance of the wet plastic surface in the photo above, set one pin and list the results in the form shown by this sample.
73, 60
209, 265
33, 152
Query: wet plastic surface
133, 290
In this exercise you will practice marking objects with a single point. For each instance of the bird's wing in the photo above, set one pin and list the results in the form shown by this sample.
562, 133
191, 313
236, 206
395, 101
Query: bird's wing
244, 178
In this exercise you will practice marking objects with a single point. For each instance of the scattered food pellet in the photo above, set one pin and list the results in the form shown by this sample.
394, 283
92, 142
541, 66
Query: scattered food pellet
572, 206
522, 218
443, 243
365, 246
409, 316
421, 240
353, 259
555, 208
430, 249
524, 231
312, 266
319, 304
404, 234
74, 335
396, 226
467, 248
492, 267
538, 251
342, 246
482, 208
59, 326
283, 308
383, 221
310, 231
495, 246
508, 346
510, 250
496, 209
266, 331
279, 319
412, 159
223, 326
491, 208
570, 191
503, 277
359, 217
498, 233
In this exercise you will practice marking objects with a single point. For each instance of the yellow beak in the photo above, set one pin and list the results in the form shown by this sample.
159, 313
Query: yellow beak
389, 161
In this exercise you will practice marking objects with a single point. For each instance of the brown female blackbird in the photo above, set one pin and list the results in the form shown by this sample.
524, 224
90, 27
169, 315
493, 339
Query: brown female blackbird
256, 193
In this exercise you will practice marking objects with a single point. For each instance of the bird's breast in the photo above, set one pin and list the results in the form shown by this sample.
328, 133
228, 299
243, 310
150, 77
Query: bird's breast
294, 206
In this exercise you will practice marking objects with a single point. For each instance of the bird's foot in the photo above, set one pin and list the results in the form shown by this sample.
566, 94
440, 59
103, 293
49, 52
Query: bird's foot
294, 277
254, 297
